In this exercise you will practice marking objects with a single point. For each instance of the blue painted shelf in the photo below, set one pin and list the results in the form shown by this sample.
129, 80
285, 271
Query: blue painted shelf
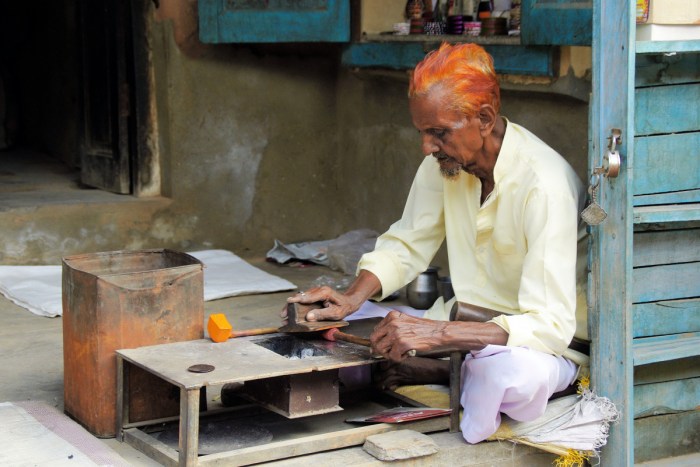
404, 52
655, 47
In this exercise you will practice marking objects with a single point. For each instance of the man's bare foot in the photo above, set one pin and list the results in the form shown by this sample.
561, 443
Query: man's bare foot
414, 370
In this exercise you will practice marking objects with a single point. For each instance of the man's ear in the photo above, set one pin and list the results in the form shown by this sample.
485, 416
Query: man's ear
487, 119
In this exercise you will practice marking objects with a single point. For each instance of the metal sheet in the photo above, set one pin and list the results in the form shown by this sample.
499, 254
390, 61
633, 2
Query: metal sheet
238, 360
296, 396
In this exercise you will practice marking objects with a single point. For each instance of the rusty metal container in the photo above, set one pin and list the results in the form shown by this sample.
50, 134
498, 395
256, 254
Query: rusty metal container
122, 300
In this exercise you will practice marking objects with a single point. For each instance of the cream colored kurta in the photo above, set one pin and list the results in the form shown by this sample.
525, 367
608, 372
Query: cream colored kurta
516, 253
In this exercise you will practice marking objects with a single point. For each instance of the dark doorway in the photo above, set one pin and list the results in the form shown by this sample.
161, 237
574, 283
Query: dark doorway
66, 80
106, 76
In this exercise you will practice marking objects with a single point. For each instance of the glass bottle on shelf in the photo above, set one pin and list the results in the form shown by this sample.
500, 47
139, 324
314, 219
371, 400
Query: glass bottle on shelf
483, 9
414, 9
468, 10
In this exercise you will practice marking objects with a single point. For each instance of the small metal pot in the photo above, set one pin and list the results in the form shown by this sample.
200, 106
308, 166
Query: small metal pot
423, 290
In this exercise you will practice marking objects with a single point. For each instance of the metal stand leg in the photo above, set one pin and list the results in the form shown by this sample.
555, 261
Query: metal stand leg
122, 397
455, 393
189, 426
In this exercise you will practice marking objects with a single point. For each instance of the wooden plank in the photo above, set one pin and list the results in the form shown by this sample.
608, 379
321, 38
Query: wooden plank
237, 360
508, 59
431, 42
676, 197
150, 446
316, 443
672, 370
667, 213
666, 282
666, 397
666, 247
666, 436
610, 322
455, 390
189, 426
668, 162
655, 47
397, 56
669, 317
663, 348
656, 70
665, 109
122, 403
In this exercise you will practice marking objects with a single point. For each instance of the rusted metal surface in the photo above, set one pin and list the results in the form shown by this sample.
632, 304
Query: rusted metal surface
296, 396
125, 299
296, 319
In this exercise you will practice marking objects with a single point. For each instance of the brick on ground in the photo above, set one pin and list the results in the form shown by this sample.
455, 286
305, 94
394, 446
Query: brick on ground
400, 444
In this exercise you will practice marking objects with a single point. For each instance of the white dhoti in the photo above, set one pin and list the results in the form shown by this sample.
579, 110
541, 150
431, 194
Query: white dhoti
514, 380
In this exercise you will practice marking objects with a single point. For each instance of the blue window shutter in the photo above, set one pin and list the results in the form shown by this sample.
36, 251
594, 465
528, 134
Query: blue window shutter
269, 21
556, 22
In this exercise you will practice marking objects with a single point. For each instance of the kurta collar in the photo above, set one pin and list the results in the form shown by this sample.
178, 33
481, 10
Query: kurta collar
507, 154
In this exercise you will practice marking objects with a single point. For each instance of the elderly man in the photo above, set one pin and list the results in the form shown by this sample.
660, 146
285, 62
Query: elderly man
508, 207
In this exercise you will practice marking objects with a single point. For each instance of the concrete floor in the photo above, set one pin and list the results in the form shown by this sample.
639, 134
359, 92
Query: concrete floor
31, 364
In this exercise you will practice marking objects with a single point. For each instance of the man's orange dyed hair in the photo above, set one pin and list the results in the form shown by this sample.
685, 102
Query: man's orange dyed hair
465, 70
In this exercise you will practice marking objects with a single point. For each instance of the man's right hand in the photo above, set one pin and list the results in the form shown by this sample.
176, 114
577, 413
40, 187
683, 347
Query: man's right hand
337, 305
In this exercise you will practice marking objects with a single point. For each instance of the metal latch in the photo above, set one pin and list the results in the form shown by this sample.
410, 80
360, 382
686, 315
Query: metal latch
594, 213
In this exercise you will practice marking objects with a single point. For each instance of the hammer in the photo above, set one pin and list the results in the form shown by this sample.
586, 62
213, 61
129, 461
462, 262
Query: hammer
220, 330
334, 334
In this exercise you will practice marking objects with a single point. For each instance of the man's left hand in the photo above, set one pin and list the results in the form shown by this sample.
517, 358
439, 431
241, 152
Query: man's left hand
399, 333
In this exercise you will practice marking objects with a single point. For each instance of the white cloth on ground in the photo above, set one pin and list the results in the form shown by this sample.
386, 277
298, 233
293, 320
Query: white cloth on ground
39, 289
514, 380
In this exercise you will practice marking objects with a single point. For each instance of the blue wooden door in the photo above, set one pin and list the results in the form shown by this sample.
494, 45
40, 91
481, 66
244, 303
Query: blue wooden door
644, 290
611, 246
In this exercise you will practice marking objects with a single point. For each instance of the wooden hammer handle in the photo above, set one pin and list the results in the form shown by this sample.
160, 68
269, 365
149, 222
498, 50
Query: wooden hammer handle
339, 335
254, 332
342, 336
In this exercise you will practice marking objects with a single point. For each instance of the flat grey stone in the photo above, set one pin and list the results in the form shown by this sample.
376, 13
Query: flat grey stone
400, 444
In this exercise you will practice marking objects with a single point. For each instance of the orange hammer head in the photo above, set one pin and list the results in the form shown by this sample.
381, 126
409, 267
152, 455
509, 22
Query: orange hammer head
329, 334
219, 328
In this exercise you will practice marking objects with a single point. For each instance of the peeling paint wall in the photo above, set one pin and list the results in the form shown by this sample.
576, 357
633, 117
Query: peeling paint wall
264, 142
250, 142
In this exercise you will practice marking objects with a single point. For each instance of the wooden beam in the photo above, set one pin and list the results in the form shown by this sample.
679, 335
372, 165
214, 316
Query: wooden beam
663, 348
666, 317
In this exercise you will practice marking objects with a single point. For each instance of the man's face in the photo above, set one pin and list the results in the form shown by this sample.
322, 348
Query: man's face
448, 135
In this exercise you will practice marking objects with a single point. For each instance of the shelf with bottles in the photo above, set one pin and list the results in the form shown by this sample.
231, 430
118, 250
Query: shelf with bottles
428, 38
434, 21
